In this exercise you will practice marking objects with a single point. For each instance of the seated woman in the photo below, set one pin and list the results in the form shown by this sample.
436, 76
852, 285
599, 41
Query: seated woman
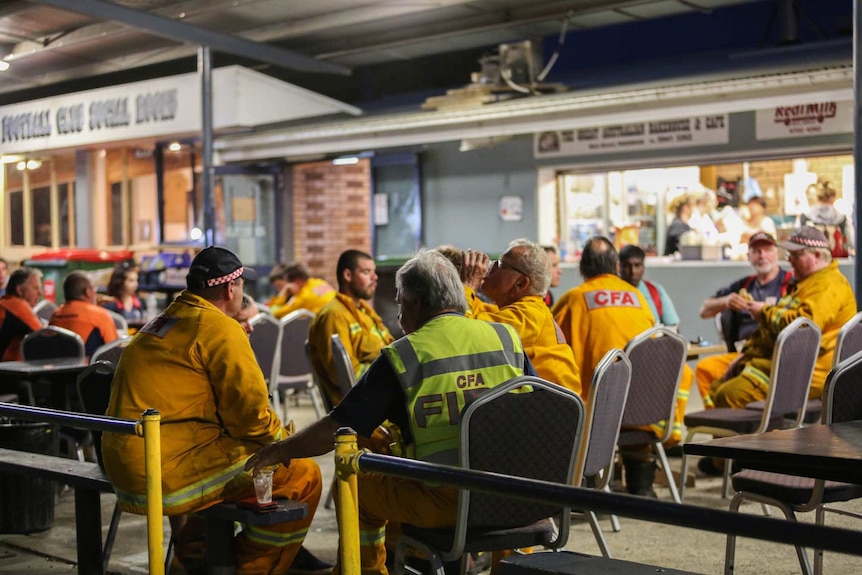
122, 288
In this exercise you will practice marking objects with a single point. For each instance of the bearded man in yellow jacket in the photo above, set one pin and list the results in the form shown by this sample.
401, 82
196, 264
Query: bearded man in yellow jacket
195, 365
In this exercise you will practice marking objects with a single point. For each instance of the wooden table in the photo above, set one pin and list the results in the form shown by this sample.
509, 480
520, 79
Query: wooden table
697, 351
831, 451
58, 372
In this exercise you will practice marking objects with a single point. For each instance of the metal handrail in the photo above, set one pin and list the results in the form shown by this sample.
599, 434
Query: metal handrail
148, 428
349, 460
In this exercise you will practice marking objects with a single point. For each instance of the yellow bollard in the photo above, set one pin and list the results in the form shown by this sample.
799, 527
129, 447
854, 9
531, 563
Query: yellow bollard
153, 465
347, 500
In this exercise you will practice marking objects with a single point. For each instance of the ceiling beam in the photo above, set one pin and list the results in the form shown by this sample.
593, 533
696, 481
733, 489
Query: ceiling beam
182, 32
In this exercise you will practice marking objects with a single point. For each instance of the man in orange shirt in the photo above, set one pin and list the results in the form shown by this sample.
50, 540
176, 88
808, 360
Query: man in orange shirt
17, 318
81, 314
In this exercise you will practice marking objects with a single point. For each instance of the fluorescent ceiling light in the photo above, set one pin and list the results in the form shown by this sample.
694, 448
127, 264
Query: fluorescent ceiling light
347, 161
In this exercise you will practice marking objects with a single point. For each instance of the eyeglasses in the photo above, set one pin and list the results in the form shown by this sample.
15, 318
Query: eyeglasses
498, 264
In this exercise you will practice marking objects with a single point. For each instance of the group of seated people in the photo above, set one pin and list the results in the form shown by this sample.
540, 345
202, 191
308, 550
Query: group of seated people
83, 311
486, 321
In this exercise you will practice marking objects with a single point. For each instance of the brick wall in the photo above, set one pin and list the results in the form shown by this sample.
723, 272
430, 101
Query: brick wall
332, 213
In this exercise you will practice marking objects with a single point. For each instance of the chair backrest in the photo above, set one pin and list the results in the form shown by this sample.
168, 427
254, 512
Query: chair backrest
294, 332
265, 340
657, 358
526, 427
343, 366
94, 389
119, 322
608, 392
849, 340
842, 394
45, 309
315, 377
793, 359
52, 342
111, 351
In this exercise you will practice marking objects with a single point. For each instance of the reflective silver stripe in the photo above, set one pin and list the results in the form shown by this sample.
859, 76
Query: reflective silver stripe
409, 360
468, 362
513, 358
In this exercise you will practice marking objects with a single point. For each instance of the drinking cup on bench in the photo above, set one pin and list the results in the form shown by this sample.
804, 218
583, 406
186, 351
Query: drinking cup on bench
263, 486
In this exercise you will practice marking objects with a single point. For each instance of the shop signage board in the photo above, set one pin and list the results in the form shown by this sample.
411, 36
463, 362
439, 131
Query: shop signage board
619, 138
162, 108
808, 119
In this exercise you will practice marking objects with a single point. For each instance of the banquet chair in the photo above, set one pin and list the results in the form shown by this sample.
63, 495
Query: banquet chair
52, 342
343, 366
608, 392
657, 357
265, 340
44, 309
111, 351
119, 322
793, 360
848, 343
493, 439
294, 369
94, 389
842, 402
326, 407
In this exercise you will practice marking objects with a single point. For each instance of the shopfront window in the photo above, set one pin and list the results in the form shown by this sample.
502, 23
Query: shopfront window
38, 194
634, 206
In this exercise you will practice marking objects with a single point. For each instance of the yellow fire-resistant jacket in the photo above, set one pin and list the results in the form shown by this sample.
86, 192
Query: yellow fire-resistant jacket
315, 294
195, 366
542, 338
602, 313
826, 298
362, 332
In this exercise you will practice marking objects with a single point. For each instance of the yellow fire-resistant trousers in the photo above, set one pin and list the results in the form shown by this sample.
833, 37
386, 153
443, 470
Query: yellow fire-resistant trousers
383, 498
708, 370
264, 549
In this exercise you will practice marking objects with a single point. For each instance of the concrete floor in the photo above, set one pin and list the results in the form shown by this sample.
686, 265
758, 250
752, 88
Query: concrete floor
53, 551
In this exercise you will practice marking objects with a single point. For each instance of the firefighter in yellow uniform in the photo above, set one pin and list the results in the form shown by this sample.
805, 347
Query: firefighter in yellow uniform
362, 331
517, 283
603, 313
821, 293
399, 386
195, 365
297, 290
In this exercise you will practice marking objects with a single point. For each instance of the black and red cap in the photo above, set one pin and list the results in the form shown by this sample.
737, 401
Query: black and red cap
215, 266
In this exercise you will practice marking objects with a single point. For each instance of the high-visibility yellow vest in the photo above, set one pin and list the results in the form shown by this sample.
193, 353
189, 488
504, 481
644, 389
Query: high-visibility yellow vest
442, 367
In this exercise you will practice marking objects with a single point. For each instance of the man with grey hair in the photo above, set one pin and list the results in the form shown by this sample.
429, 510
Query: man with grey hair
396, 387
820, 292
516, 283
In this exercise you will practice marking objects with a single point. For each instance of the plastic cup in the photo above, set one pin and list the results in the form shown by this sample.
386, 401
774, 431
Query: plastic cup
263, 486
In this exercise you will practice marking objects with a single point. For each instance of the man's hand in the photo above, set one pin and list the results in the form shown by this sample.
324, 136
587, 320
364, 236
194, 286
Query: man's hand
269, 455
737, 303
755, 308
474, 266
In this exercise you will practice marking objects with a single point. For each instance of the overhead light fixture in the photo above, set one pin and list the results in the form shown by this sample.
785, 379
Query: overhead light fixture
21, 166
345, 161
175, 147
4, 66
34, 164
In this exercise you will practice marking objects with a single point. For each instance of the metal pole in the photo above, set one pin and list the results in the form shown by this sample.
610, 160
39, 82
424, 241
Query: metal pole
205, 72
348, 501
857, 142
153, 465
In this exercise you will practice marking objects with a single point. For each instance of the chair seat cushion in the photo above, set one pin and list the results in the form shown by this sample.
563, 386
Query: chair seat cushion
493, 539
812, 410
738, 420
635, 437
791, 489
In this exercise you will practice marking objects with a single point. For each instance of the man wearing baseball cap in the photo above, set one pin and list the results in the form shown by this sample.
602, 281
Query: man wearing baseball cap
819, 292
768, 284
195, 365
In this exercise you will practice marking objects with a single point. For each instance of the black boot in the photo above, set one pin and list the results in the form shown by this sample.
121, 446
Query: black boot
640, 473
